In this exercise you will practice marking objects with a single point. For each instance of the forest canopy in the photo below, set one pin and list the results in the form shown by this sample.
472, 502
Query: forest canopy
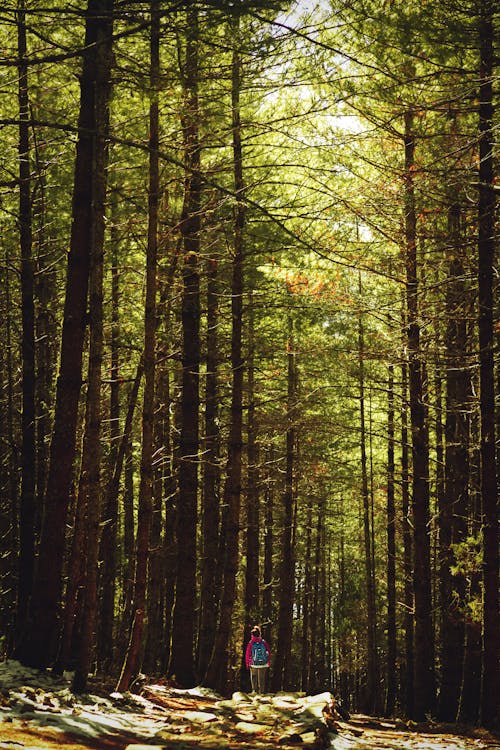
249, 348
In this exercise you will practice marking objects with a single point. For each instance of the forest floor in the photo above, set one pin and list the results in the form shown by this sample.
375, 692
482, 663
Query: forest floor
39, 712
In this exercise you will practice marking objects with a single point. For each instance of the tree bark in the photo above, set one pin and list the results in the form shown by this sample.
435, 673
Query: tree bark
211, 480
37, 648
470, 694
424, 685
109, 535
252, 495
28, 448
371, 615
390, 697
409, 626
281, 670
92, 437
490, 687
306, 600
218, 669
268, 568
145, 502
453, 512
183, 619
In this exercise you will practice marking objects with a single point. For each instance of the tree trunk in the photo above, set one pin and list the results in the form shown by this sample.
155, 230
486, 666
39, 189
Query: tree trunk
306, 600
8, 470
281, 670
252, 496
45, 332
184, 614
109, 536
75, 584
371, 624
155, 602
390, 697
218, 669
37, 649
268, 568
314, 685
92, 437
211, 480
490, 688
145, 505
28, 450
407, 550
424, 686
453, 513
470, 695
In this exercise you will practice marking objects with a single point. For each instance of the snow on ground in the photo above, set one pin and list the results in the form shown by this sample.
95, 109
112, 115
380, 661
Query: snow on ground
32, 694
164, 717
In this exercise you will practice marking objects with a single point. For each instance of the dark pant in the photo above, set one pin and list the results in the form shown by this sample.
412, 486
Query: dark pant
258, 677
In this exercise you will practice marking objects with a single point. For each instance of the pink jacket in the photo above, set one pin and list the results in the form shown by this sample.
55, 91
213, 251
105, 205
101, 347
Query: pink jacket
248, 654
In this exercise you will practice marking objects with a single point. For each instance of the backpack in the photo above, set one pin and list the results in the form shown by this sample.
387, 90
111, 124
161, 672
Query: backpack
259, 654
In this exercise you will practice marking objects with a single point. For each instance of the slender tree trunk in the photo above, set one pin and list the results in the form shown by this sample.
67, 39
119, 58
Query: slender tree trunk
155, 603
344, 652
92, 437
281, 671
453, 513
267, 568
218, 670
407, 549
12, 469
109, 536
184, 614
75, 584
306, 606
371, 686
470, 695
145, 504
211, 480
424, 686
315, 647
28, 449
252, 496
45, 333
322, 650
390, 698
490, 688
37, 649
128, 548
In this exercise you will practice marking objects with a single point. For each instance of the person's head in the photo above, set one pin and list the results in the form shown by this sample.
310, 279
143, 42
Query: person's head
256, 631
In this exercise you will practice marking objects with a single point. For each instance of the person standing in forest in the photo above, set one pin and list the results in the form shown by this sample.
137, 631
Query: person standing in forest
258, 659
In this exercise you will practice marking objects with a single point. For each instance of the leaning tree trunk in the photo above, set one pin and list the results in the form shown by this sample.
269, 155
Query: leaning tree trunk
218, 669
490, 709
424, 686
145, 503
184, 614
37, 648
28, 451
